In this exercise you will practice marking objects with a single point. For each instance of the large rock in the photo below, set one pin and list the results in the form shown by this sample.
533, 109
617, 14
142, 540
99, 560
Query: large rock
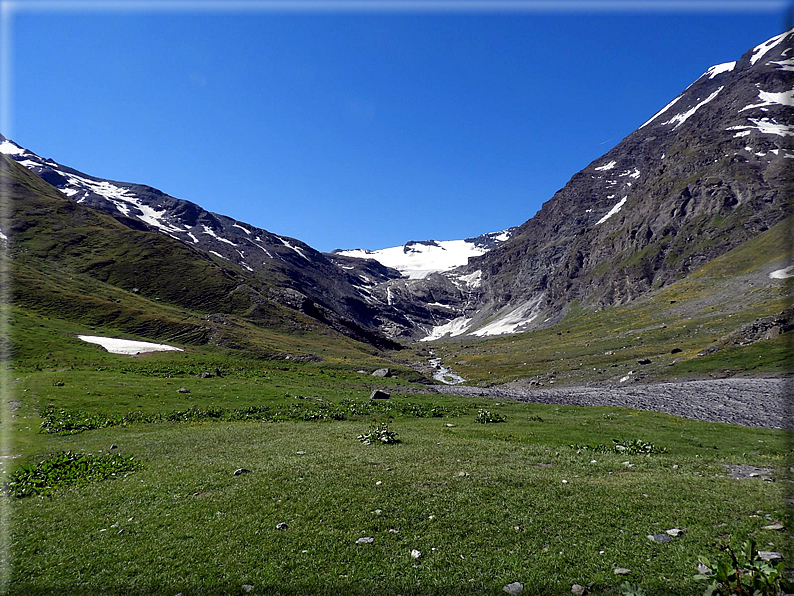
382, 372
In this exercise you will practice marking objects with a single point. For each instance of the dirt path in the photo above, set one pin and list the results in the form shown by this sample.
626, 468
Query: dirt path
749, 402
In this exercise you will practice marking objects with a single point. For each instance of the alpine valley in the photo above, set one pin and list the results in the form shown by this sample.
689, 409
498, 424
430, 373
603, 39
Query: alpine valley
707, 177
590, 402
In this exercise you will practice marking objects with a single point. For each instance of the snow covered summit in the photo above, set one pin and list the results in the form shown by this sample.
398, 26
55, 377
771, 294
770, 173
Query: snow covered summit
417, 260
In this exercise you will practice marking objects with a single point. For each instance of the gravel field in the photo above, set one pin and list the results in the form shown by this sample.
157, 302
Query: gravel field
765, 402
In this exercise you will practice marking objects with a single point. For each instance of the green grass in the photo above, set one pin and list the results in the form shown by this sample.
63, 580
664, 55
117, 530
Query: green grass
489, 498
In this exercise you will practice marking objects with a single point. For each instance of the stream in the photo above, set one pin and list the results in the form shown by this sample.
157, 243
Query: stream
443, 374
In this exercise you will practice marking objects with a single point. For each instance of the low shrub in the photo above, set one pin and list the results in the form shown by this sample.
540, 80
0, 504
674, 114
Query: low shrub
379, 433
66, 468
486, 416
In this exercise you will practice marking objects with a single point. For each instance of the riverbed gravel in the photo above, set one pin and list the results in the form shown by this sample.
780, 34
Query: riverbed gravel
762, 402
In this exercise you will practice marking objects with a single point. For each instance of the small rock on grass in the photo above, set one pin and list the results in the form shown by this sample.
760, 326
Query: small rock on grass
577, 589
513, 588
674, 532
659, 537
247, 588
365, 540
416, 554
775, 526
183, 390
240, 471
281, 526
621, 571
770, 556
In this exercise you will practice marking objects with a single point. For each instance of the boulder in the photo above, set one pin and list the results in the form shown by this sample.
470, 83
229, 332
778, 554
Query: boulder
379, 394
381, 372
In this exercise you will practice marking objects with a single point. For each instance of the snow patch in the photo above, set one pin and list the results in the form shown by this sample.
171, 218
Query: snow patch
662, 111
786, 98
126, 346
209, 231
784, 64
10, 148
617, 207
472, 280
783, 273
684, 116
609, 166
767, 126
297, 249
761, 49
718, 69
510, 323
217, 254
193, 238
242, 228
452, 328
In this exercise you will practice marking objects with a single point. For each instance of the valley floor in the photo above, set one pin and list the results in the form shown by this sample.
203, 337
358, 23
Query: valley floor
747, 401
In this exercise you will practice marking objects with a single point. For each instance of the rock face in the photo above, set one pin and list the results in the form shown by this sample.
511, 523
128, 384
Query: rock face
706, 173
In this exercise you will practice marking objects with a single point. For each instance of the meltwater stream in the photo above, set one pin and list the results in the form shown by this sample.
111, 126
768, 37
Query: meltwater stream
443, 374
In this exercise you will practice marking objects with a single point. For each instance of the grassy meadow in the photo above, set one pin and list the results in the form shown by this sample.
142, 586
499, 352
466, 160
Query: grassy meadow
542, 498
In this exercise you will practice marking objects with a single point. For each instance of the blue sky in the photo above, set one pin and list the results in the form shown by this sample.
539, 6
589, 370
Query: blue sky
360, 129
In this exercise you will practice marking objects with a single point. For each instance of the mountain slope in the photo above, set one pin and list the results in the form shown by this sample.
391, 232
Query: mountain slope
708, 172
297, 276
71, 262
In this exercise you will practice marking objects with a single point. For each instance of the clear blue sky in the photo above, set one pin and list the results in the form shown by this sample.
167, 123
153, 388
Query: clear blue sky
364, 129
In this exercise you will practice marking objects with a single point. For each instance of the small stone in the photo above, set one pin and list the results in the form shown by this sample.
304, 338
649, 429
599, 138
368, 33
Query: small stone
365, 540
379, 394
644, 361
379, 482
702, 569
247, 588
775, 526
431, 517
394, 531
621, 571
240, 471
378, 511
565, 481
463, 474
183, 390
114, 446
659, 537
415, 553
674, 532
770, 556
513, 588
449, 425
628, 464
120, 532
300, 453
577, 589
381, 372
281, 526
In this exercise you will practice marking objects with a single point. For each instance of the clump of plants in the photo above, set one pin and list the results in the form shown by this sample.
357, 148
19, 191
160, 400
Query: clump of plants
66, 468
379, 433
67, 422
486, 416
625, 446
742, 572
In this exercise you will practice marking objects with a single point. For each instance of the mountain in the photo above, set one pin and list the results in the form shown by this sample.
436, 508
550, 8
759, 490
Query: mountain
297, 276
352, 295
707, 173
711, 170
